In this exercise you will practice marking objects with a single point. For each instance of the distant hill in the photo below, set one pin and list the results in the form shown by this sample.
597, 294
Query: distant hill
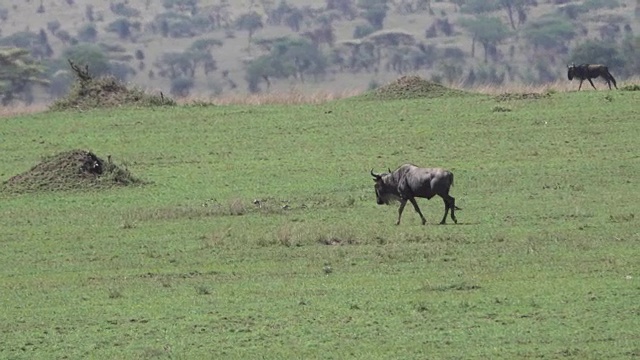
203, 48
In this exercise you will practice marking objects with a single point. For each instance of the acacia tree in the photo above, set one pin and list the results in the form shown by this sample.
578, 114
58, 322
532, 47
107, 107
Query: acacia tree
345, 7
488, 31
18, 73
550, 33
374, 11
519, 7
200, 54
287, 58
251, 22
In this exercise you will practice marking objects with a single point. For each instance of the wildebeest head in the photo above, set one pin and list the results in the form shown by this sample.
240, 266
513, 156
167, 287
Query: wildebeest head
570, 71
386, 190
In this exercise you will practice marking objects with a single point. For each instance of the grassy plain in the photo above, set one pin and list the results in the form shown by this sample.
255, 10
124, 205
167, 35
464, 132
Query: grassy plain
544, 262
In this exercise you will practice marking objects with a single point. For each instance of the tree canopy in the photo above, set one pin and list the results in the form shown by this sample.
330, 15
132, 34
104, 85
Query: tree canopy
18, 73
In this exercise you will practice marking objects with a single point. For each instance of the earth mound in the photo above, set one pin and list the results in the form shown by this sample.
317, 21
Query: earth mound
71, 170
411, 87
104, 92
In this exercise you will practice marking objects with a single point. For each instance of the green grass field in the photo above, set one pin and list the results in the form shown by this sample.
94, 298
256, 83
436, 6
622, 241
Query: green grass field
544, 262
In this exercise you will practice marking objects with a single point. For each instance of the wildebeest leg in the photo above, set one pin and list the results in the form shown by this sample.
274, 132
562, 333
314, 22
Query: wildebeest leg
580, 86
449, 203
403, 202
591, 82
415, 206
446, 211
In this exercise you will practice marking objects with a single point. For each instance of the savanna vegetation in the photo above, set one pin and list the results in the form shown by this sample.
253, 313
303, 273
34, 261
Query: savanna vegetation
239, 231
215, 48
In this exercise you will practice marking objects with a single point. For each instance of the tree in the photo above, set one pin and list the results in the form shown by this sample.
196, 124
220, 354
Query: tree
53, 26
488, 31
88, 33
287, 57
293, 19
597, 52
549, 32
374, 11
37, 44
518, 7
251, 22
190, 6
18, 73
120, 26
175, 64
90, 55
630, 52
479, 6
122, 9
362, 30
345, 7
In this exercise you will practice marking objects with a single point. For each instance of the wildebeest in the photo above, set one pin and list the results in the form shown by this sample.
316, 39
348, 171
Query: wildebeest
409, 182
590, 71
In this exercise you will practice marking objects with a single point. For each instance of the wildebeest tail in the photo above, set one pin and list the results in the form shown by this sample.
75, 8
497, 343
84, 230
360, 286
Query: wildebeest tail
451, 178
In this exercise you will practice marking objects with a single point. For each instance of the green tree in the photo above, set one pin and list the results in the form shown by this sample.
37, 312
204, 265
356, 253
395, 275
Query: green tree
374, 11
549, 32
288, 57
181, 86
479, 6
516, 7
37, 45
18, 73
488, 31
200, 54
250, 22
190, 6
122, 9
87, 54
344, 7
88, 33
121, 26
176, 64
630, 52
597, 52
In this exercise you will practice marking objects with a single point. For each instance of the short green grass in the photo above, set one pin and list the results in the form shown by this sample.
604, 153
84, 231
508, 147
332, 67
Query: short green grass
543, 264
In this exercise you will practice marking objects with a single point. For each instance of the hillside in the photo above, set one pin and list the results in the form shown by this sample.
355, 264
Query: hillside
202, 49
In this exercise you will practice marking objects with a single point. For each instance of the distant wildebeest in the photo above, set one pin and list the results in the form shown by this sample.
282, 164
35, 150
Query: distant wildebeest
590, 71
409, 182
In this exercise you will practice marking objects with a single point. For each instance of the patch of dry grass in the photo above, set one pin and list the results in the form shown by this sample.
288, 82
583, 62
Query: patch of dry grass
298, 97
22, 109
283, 98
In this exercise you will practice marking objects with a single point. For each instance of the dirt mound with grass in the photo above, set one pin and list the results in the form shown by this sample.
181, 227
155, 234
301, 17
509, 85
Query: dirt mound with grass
411, 87
104, 92
70, 170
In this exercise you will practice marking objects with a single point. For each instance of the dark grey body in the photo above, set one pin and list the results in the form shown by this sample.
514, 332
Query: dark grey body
590, 71
409, 182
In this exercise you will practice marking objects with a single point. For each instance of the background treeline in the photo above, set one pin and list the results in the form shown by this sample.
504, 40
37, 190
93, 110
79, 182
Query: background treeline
222, 46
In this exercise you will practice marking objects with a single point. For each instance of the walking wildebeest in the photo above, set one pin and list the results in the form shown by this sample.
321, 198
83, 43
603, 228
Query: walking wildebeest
409, 182
590, 71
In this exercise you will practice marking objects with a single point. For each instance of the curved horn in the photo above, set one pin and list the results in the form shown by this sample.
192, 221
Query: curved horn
389, 170
374, 175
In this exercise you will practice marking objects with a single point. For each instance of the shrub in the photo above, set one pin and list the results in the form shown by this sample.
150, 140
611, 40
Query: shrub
105, 91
